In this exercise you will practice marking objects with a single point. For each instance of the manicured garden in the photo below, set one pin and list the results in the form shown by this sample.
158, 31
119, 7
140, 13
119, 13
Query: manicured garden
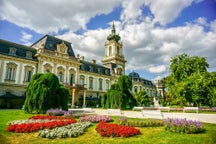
19, 127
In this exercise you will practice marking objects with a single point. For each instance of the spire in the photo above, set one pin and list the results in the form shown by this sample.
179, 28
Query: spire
113, 35
113, 29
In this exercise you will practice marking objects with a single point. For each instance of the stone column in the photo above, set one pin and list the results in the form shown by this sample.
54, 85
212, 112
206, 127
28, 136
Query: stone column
40, 65
55, 69
84, 98
20, 74
66, 77
1, 71
73, 97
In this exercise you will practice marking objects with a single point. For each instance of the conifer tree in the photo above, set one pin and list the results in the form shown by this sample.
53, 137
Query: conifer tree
119, 95
45, 92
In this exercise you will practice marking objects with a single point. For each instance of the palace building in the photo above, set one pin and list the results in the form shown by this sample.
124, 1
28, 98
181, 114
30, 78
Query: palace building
87, 81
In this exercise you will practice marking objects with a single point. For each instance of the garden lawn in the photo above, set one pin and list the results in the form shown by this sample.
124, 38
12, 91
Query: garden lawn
148, 135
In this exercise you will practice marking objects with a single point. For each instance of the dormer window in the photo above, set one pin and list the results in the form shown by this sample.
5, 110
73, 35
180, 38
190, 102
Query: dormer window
99, 70
29, 54
107, 72
12, 51
91, 68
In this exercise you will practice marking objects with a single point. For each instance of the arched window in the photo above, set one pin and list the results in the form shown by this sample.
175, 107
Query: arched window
11, 71
47, 68
100, 84
118, 51
107, 84
61, 74
71, 79
110, 50
28, 73
72, 76
135, 89
90, 82
82, 80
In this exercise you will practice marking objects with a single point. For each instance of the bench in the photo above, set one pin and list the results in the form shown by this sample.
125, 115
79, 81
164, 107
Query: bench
164, 108
191, 108
152, 114
88, 110
137, 108
115, 112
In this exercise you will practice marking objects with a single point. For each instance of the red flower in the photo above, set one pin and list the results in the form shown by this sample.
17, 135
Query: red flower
33, 127
115, 130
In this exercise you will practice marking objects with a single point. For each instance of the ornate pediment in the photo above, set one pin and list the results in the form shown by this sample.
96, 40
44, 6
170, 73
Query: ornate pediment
62, 48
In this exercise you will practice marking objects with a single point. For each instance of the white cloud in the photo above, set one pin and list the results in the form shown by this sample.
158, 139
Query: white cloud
26, 38
44, 16
165, 11
131, 10
157, 69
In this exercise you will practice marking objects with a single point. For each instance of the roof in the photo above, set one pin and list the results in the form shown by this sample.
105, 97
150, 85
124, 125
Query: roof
135, 77
146, 82
20, 51
51, 44
94, 68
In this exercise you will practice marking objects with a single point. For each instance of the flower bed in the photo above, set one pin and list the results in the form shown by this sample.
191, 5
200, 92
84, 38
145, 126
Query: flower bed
139, 123
40, 117
58, 112
183, 126
41, 122
73, 130
95, 118
115, 130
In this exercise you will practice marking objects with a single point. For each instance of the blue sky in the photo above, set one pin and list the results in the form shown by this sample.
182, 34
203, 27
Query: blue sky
151, 31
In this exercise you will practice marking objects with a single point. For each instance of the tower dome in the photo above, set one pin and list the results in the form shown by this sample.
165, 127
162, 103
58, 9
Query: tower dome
134, 76
113, 35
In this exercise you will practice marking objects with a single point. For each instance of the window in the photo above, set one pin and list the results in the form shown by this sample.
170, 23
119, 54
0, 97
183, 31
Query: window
12, 51
99, 70
110, 51
29, 54
11, 71
91, 69
90, 83
82, 79
71, 79
60, 76
72, 76
135, 89
47, 68
61, 73
118, 51
107, 84
28, 73
119, 71
100, 84
28, 76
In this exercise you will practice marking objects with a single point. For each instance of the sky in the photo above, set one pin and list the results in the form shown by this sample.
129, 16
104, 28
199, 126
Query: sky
152, 31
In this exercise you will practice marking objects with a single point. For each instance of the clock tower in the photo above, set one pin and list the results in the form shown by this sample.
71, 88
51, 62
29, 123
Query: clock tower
114, 58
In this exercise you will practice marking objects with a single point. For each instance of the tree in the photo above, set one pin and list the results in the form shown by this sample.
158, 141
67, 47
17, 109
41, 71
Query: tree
208, 89
44, 92
185, 82
142, 98
119, 96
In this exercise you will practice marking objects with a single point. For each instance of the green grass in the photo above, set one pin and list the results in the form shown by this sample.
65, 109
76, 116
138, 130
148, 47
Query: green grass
156, 135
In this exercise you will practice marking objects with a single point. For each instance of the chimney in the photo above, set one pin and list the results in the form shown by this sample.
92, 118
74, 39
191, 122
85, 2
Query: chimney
94, 61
